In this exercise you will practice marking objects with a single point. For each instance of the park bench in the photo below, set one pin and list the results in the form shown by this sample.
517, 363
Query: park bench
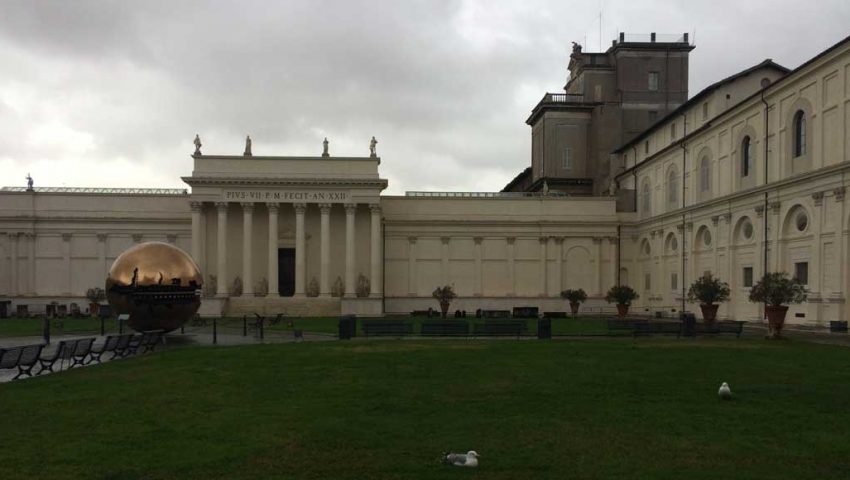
146, 342
81, 351
110, 345
386, 328
499, 328
526, 312
122, 348
726, 326
64, 351
445, 328
657, 328
23, 358
496, 313
423, 313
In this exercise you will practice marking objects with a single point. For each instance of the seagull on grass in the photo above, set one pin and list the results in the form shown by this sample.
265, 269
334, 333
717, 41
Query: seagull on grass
469, 459
725, 393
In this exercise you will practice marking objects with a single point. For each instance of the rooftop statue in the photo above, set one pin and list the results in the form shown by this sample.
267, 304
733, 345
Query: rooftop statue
325, 148
372, 146
29, 182
247, 146
197, 145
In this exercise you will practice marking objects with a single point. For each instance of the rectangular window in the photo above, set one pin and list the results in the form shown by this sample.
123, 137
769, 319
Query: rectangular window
705, 111
674, 281
672, 131
568, 159
801, 272
748, 277
646, 282
597, 93
653, 81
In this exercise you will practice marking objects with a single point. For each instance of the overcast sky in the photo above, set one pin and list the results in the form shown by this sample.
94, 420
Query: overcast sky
111, 93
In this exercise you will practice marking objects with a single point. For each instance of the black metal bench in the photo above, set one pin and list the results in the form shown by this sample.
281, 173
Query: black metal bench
385, 328
81, 351
146, 342
110, 345
735, 327
64, 351
122, 348
23, 358
445, 328
526, 312
657, 328
501, 328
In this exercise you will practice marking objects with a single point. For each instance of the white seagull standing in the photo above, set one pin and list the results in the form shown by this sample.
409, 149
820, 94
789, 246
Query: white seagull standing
725, 393
469, 459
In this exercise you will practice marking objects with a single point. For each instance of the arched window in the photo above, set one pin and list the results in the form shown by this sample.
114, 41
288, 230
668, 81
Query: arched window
672, 188
746, 156
799, 133
646, 198
704, 175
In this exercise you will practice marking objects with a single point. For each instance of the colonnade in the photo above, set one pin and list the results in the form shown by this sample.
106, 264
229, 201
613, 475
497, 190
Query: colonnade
273, 208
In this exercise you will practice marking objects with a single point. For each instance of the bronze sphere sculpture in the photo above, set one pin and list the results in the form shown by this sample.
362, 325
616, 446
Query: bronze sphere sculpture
157, 284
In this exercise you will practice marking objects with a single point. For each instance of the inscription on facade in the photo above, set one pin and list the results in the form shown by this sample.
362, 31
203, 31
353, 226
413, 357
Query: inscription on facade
285, 196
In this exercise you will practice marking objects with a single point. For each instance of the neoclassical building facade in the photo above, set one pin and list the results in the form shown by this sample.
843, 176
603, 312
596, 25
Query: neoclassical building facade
744, 177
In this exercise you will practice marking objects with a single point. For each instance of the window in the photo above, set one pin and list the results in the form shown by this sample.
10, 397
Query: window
802, 221
568, 159
748, 230
705, 111
645, 199
801, 272
746, 156
653, 81
748, 277
674, 281
799, 133
706, 238
672, 131
646, 282
672, 188
597, 93
704, 175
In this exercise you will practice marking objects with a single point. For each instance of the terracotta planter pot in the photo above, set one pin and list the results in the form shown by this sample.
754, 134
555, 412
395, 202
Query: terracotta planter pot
775, 318
444, 307
622, 310
709, 312
574, 307
94, 308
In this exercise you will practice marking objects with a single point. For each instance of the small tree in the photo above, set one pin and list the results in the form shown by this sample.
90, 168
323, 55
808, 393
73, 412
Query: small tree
444, 295
95, 295
776, 290
575, 297
623, 296
708, 291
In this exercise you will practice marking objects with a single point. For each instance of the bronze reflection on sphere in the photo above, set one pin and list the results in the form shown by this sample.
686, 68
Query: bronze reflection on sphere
157, 284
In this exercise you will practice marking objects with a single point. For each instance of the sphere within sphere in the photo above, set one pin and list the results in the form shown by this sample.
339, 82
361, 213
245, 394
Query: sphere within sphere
157, 284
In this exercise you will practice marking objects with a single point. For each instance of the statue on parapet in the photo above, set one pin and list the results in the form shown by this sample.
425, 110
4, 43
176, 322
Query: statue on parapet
372, 147
29, 183
325, 148
247, 146
197, 144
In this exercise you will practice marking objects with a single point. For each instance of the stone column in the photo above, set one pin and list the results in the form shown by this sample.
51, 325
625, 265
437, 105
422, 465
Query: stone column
444, 260
511, 246
559, 263
479, 274
775, 253
761, 241
66, 261
597, 282
731, 276
350, 210
197, 209
274, 287
247, 249
221, 250
325, 260
542, 268
14, 268
411, 266
376, 280
817, 267
31, 263
300, 245
101, 252
612, 263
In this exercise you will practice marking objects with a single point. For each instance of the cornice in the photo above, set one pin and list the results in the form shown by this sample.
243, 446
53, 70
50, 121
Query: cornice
312, 182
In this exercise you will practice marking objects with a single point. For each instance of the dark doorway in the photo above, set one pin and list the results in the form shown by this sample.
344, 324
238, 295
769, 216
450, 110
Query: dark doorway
286, 271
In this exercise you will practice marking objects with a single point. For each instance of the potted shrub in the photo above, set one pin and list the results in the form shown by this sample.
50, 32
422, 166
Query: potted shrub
444, 295
708, 291
575, 297
95, 296
622, 295
776, 290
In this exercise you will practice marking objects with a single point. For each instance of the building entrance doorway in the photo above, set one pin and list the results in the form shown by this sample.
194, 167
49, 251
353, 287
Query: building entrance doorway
286, 271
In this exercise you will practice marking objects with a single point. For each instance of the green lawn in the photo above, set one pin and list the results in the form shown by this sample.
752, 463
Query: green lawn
599, 408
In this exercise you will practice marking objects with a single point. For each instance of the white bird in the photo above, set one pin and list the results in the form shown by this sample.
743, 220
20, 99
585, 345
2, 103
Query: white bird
469, 459
725, 393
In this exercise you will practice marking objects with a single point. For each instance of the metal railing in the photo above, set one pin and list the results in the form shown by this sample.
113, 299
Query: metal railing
562, 98
652, 38
98, 190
